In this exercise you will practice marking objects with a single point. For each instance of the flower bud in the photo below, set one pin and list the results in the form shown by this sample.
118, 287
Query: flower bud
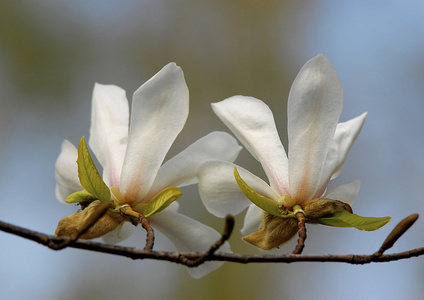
319, 208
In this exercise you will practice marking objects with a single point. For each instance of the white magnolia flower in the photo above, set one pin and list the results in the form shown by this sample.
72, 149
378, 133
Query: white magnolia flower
132, 155
318, 148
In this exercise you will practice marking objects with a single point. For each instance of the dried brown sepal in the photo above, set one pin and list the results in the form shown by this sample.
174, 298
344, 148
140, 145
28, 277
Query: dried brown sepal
319, 208
83, 224
273, 232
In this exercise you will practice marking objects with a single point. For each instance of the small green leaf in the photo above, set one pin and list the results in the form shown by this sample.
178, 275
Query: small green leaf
268, 205
80, 196
89, 177
159, 202
343, 218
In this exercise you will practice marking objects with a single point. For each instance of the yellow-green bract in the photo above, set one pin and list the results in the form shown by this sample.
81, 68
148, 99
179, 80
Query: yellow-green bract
159, 202
268, 205
80, 196
88, 175
342, 218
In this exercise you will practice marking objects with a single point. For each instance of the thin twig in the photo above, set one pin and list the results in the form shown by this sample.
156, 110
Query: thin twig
228, 229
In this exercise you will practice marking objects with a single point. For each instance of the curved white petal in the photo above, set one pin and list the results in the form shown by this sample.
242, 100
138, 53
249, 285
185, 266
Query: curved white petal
159, 112
175, 206
109, 130
181, 170
345, 136
67, 181
252, 123
189, 235
122, 232
252, 219
314, 107
219, 190
345, 193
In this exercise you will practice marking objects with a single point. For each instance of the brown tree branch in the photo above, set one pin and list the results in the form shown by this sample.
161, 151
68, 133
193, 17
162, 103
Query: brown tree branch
192, 259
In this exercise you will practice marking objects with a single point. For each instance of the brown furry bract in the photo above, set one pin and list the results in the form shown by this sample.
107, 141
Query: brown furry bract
272, 232
72, 226
319, 208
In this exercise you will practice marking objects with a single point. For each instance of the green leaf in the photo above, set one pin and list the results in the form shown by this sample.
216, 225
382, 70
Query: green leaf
268, 205
343, 218
89, 177
80, 196
159, 202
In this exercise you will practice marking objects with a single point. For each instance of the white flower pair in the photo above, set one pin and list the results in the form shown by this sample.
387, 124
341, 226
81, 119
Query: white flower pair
132, 155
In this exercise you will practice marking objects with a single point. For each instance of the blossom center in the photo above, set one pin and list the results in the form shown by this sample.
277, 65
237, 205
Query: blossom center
286, 201
117, 196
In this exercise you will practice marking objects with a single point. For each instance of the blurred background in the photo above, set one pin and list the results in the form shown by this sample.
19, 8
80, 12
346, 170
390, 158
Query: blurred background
52, 53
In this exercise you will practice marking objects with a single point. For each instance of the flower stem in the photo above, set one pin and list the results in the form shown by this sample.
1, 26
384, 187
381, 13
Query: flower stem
300, 215
150, 236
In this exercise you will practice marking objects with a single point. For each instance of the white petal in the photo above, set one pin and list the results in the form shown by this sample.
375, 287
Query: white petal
67, 181
219, 190
314, 107
252, 219
159, 111
122, 232
252, 123
345, 193
189, 235
345, 136
109, 130
181, 170
175, 206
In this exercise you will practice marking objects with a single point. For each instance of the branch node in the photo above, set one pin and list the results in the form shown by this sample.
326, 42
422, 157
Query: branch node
228, 229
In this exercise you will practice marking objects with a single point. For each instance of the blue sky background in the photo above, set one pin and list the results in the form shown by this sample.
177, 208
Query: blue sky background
52, 53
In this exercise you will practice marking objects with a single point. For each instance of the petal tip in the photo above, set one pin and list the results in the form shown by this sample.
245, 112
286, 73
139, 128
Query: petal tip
172, 67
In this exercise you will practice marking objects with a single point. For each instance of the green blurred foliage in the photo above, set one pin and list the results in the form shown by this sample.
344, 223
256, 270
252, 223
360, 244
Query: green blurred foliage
38, 59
